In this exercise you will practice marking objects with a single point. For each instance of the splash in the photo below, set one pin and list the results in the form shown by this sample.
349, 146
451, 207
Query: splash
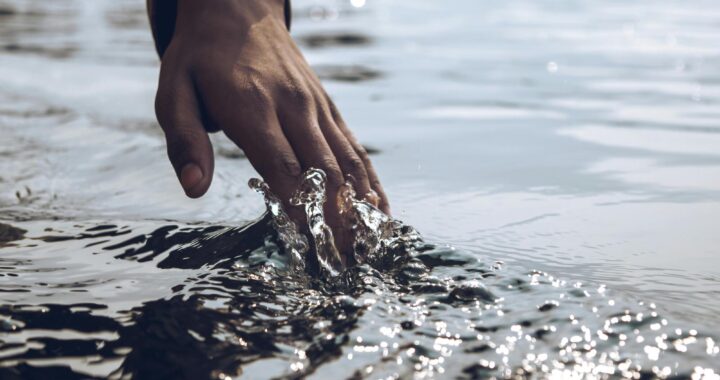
375, 235
373, 230
311, 195
291, 240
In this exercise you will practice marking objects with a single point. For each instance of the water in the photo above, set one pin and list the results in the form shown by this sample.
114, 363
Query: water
291, 241
560, 160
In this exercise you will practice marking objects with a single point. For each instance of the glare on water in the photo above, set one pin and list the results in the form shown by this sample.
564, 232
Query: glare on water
560, 160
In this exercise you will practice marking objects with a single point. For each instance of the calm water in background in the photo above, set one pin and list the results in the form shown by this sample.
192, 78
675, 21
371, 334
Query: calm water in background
576, 139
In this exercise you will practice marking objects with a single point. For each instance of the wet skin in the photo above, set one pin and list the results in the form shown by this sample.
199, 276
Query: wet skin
232, 66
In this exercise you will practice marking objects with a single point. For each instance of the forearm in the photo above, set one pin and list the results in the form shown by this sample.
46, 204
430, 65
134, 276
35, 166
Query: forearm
163, 17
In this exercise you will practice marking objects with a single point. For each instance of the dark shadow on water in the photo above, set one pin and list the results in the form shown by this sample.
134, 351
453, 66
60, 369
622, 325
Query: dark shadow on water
353, 73
192, 248
333, 40
9, 233
4, 12
51, 52
241, 305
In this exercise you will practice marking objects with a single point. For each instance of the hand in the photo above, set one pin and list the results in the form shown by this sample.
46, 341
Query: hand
232, 66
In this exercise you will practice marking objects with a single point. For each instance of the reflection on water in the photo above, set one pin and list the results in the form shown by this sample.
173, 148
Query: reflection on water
567, 152
337, 39
346, 73
9, 233
233, 306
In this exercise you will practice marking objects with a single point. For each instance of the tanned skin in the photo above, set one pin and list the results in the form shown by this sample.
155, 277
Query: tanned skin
231, 66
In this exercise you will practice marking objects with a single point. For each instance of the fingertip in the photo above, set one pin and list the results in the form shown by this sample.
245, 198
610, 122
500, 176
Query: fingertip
193, 180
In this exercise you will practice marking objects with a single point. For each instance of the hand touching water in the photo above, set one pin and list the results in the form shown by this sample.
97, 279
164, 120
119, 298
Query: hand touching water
232, 66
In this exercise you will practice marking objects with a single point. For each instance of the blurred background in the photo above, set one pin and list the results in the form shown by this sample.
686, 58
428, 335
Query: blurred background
577, 137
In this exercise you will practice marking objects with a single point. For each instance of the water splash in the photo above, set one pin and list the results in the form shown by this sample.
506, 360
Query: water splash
375, 234
291, 240
373, 230
311, 195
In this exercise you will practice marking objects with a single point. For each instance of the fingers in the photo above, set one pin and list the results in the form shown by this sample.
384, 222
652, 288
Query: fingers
188, 145
310, 145
243, 108
383, 203
259, 135
300, 125
373, 179
349, 161
268, 150
364, 175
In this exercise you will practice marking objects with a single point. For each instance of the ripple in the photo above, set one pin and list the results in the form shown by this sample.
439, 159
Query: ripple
9, 233
352, 73
334, 40
651, 140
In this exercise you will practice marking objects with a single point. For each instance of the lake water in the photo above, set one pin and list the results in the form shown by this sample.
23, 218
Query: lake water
561, 160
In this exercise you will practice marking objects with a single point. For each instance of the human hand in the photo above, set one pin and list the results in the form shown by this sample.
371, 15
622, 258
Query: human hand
232, 66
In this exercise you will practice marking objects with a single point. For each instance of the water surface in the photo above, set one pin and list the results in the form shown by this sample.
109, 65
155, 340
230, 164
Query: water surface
560, 159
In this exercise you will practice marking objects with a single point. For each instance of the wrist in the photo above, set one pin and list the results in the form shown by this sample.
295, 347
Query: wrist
198, 18
171, 17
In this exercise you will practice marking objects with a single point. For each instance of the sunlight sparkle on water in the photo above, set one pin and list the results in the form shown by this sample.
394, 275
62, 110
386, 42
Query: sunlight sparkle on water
358, 3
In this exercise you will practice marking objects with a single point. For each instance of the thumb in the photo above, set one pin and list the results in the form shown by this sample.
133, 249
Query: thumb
188, 144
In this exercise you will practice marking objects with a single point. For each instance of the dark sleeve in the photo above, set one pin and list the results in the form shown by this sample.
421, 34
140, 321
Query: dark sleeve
162, 15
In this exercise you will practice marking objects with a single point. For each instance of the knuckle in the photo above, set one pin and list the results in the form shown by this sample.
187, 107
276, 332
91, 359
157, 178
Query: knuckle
362, 153
251, 86
254, 83
332, 170
185, 134
288, 165
355, 165
296, 94
258, 97
262, 135
180, 140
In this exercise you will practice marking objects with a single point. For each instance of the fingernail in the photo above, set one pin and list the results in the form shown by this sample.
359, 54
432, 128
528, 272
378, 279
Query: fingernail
190, 175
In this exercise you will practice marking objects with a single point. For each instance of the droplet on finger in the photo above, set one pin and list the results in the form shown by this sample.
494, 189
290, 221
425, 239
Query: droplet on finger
345, 195
372, 197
